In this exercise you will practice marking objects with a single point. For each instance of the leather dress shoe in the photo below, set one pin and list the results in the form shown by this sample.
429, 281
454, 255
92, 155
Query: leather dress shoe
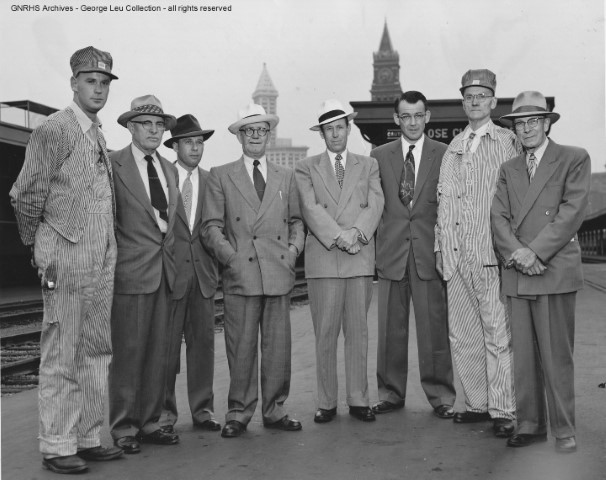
168, 429
286, 424
444, 411
385, 407
158, 437
129, 444
525, 439
362, 413
470, 417
502, 427
233, 428
566, 445
324, 416
65, 464
210, 425
100, 454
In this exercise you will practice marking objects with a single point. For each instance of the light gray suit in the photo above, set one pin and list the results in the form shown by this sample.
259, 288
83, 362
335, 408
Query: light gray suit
543, 215
340, 284
251, 239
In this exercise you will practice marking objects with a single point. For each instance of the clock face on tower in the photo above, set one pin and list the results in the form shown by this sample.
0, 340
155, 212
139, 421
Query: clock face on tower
385, 75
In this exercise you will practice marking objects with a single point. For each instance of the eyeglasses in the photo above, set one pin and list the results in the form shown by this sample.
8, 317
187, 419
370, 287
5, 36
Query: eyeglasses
149, 125
249, 132
480, 97
419, 117
530, 123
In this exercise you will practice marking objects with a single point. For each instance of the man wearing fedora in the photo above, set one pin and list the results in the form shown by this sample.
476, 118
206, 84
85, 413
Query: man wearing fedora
341, 201
251, 222
540, 203
480, 336
64, 205
193, 302
406, 265
146, 204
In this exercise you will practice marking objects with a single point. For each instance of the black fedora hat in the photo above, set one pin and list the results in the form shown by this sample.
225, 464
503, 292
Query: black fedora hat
187, 126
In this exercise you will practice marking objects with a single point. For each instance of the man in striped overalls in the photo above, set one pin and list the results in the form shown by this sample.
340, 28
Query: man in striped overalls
478, 326
64, 204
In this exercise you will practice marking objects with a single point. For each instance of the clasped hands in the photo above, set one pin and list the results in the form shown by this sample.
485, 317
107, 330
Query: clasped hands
526, 261
347, 240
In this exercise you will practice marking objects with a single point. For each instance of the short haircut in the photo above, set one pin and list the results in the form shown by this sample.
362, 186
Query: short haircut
412, 97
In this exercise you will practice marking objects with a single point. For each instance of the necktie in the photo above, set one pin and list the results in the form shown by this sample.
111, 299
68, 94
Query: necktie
407, 182
470, 142
258, 180
158, 199
339, 170
187, 196
532, 166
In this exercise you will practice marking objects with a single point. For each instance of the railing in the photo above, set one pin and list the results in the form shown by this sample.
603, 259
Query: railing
593, 243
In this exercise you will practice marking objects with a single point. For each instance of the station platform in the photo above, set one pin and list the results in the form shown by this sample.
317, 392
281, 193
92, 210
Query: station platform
408, 444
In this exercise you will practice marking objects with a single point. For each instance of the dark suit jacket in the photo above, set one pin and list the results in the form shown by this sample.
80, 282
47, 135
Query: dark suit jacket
189, 251
249, 237
544, 216
399, 225
142, 252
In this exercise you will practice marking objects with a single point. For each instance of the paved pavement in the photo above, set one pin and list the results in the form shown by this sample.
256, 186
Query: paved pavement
408, 444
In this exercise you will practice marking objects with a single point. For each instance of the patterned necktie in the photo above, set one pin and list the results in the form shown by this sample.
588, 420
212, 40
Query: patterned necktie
187, 196
470, 142
339, 170
407, 182
258, 180
532, 166
156, 192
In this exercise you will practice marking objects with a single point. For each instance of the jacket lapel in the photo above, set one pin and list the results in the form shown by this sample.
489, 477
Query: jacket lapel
396, 161
543, 173
424, 166
173, 190
201, 189
353, 170
272, 185
327, 174
129, 174
520, 178
244, 184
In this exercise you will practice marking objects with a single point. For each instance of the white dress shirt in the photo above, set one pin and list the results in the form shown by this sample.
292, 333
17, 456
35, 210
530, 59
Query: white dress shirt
248, 163
142, 167
416, 152
333, 158
195, 187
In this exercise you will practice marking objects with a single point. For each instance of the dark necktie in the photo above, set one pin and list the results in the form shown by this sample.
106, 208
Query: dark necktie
339, 170
407, 182
258, 180
158, 199
532, 166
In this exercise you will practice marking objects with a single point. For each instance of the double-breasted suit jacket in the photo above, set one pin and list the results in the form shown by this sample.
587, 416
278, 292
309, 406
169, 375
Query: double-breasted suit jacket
193, 315
145, 275
251, 239
543, 215
407, 269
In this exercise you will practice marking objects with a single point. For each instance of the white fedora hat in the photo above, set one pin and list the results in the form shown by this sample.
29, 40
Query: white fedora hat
253, 113
330, 111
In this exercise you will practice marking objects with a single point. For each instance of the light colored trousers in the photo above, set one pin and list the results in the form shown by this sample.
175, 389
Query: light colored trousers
336, 303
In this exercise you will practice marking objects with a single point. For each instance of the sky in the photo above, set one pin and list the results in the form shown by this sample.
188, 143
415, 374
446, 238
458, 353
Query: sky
208, 63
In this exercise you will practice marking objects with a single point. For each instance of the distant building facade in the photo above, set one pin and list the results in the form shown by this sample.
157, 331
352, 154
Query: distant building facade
279, 150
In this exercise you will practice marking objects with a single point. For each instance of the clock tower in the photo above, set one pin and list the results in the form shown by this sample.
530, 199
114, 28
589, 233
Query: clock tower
386, 65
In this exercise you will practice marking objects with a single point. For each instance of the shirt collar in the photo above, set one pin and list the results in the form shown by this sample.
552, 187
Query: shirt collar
538, 152
249, 162
140, 156
418, 145
333, 156
483, 130
183, 171
84, 122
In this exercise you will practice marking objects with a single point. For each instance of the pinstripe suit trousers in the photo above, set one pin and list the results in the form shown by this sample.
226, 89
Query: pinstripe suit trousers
75, 343
336, 302
480, 338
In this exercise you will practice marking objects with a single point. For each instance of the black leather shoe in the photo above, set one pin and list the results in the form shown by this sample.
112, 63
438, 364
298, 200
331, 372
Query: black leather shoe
158, 437
566, 445
210, 425
325, 416
285, 423
525, 439
471, 417
100, 454
233, 428
362, 413
444, 411
65, 464
502, 427
168, 429
129, 444
385, 407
